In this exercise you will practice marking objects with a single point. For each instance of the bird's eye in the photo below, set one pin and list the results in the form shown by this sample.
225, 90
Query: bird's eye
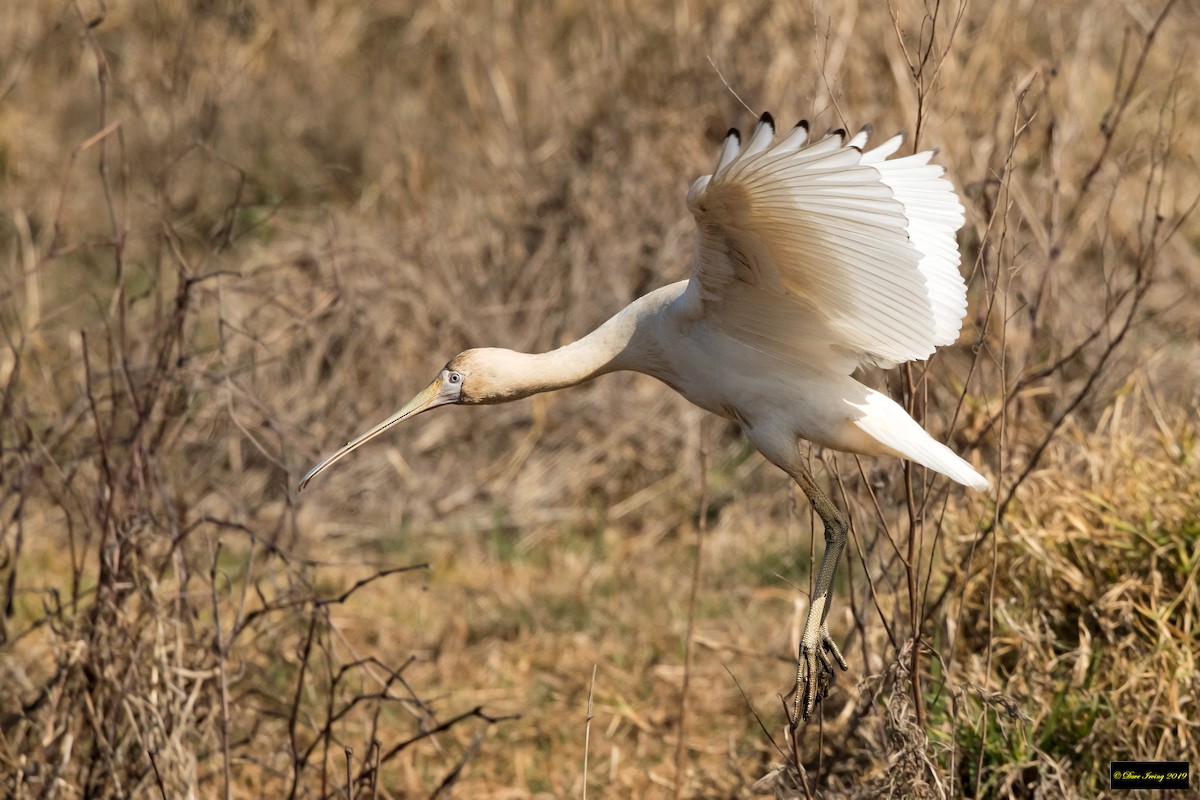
454, 377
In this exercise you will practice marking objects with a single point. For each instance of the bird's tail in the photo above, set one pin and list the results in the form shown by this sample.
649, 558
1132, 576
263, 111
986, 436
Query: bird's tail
890, 425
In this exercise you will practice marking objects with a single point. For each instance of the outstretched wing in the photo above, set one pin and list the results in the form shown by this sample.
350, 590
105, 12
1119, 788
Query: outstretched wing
828, 246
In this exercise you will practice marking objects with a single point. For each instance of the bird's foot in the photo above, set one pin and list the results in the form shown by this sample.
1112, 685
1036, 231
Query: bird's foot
814, 673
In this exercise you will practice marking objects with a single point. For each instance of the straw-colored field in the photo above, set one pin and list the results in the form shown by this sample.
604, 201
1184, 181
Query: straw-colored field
234, 233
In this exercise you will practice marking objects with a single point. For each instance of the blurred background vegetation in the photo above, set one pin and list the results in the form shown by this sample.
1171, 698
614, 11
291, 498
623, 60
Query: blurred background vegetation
233, 233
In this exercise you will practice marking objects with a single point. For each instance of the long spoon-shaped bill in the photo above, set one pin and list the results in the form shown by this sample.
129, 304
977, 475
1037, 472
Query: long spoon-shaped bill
431, 397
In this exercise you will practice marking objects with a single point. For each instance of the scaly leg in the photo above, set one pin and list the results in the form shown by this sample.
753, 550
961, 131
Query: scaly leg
814, 670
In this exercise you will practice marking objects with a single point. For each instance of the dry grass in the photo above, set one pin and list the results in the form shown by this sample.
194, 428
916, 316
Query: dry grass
236, 232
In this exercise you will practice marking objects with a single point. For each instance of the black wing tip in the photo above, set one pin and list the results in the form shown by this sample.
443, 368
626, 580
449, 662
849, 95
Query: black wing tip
735, 133
839, 133
865, 131
767, 119
802, 124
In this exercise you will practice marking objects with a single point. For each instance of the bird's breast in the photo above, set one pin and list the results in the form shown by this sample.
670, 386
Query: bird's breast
712, 375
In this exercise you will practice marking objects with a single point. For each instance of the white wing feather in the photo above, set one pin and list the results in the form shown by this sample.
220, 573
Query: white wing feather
826, 254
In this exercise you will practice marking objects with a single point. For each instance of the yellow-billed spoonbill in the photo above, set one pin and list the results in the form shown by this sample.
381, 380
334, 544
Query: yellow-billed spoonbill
811, 259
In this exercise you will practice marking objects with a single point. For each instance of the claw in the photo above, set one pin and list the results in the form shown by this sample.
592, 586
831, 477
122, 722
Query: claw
814, 674
827, 643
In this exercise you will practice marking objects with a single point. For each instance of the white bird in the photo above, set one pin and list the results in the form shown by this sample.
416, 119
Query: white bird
811, 260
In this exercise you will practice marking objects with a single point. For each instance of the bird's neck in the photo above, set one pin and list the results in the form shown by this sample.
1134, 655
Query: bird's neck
623, 342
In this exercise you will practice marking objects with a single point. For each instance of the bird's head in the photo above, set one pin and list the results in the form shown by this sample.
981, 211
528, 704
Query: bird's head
473, 377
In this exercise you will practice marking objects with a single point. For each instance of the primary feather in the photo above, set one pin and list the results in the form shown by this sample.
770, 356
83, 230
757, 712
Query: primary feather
855, 249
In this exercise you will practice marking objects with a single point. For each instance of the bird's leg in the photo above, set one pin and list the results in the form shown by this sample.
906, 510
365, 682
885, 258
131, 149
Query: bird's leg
814, 670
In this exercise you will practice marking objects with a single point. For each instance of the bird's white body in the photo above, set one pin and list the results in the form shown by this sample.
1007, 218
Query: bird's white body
811, 259
666, 335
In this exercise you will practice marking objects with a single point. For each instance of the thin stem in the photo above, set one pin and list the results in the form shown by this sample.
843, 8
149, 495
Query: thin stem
701, 527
